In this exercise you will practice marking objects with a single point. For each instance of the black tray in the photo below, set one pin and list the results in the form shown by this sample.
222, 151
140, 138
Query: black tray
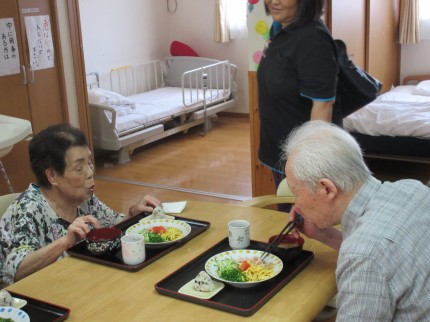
39, 310
115, 260
241, 301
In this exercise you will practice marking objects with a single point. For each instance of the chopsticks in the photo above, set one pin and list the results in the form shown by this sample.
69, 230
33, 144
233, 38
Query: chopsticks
288, 228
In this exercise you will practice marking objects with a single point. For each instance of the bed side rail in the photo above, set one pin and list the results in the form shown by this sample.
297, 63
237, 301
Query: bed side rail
103, 120
129, 80
211, 82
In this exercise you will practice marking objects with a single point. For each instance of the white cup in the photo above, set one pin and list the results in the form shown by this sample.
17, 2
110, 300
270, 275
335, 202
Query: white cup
238, 234
133, 249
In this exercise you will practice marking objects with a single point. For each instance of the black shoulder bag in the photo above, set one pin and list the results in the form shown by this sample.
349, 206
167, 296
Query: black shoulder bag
355, 87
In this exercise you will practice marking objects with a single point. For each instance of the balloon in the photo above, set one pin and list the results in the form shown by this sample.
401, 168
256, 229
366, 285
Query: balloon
256, 57
261, 27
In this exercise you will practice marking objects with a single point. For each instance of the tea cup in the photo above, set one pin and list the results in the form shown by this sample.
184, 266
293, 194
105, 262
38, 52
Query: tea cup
238, 234
133, 249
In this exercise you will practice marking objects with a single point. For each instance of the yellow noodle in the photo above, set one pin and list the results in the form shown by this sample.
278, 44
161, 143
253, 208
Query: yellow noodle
258, 272
171, 234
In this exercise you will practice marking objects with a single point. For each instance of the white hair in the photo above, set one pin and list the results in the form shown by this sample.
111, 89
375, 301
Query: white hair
319, 149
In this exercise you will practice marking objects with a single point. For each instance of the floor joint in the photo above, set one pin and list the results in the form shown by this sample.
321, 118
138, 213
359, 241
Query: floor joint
173, 188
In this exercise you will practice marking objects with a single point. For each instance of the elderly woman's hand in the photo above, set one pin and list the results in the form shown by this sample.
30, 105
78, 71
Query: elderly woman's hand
79, 229
146, 204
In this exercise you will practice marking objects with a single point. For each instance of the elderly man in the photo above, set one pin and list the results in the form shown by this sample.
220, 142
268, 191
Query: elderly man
383, 270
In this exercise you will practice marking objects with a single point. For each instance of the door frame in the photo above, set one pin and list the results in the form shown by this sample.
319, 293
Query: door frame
79, 68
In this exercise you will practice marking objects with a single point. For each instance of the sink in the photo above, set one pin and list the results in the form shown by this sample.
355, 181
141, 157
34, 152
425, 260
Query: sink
12, 130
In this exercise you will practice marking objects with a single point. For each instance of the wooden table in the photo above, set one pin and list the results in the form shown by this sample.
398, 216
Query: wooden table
95, 292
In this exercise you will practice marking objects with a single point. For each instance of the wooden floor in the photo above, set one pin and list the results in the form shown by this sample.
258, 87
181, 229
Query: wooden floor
214, 167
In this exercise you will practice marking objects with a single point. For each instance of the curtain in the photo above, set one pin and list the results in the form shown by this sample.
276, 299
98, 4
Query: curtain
230, 20
222, 33
409, 32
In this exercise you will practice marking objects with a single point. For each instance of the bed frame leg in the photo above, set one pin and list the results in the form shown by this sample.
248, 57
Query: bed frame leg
123, 155
207, 125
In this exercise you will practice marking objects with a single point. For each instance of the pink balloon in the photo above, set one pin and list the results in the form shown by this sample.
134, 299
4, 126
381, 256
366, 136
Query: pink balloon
256, 57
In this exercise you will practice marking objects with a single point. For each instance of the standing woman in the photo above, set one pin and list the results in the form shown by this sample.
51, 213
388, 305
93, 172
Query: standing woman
297, 76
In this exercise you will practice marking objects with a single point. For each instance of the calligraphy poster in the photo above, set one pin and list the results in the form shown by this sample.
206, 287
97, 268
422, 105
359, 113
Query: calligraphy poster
9, 56
40, 44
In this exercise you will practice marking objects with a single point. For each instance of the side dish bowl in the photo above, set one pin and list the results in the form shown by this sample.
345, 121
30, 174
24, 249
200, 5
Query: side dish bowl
145, 225
103, 241
14, 314
238, 255
289, 248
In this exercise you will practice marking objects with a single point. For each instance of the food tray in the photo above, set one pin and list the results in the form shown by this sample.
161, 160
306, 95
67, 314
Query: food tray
115, 260
39, 310
241, 301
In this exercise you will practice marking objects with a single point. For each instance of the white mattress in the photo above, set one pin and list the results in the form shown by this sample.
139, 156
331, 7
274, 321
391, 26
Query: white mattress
395, 113
162, 103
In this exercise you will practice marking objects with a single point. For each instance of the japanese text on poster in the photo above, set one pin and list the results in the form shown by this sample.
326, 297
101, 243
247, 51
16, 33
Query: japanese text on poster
40, 45
9, 56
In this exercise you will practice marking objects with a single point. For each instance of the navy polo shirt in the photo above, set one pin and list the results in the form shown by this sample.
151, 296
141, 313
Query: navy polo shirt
299, 65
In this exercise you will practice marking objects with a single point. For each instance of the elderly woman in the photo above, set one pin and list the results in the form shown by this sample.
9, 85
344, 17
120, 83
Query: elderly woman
50, 217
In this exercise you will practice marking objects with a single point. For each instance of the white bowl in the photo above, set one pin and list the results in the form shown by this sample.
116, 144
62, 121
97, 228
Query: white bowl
167, 223
242, 254
17, 315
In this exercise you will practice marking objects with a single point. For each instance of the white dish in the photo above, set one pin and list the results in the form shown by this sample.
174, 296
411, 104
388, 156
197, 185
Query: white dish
167, 223
151, 217
18, 303
17, 315
188, 289
242, 254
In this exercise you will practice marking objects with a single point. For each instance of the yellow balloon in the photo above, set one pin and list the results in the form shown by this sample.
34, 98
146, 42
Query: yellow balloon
261, 27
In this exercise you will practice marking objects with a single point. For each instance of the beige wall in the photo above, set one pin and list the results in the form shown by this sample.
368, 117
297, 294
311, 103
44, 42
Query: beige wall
415, 59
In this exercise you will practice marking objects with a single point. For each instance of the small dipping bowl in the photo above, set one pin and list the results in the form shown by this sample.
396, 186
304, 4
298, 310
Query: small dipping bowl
103, 241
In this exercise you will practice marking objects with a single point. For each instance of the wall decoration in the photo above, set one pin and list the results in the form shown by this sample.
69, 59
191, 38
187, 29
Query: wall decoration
251, 4
9, 56
40, 44
258, 32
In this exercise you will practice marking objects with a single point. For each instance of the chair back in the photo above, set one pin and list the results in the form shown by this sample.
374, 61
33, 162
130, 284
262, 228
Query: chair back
283, 189
6, 200
283, 195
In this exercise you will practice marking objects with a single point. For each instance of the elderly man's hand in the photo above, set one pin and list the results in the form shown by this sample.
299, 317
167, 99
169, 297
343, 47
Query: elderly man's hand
330, 236
307, 227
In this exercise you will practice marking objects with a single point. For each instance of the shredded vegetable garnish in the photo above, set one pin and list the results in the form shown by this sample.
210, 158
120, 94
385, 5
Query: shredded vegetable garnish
159, 234
247, 270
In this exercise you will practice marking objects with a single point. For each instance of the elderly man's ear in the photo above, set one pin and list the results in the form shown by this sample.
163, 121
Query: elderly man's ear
326, 188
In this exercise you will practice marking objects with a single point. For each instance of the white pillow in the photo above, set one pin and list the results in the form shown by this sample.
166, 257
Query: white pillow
102, 96
423, 88
405, 89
